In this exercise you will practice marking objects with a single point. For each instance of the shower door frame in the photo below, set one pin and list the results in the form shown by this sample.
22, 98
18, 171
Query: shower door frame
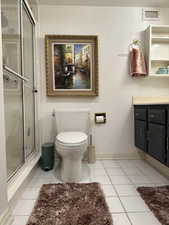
23, 5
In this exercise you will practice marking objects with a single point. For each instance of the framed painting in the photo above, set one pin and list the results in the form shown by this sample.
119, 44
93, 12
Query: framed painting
71, 65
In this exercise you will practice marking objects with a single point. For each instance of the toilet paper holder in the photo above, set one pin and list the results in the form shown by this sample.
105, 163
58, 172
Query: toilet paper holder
100, 118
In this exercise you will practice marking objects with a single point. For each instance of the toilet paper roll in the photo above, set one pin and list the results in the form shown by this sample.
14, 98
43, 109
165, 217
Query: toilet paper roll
100, 119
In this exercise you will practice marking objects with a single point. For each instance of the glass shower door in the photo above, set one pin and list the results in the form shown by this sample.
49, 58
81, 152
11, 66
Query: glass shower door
11, 34
18, 75
13, 93
13, 122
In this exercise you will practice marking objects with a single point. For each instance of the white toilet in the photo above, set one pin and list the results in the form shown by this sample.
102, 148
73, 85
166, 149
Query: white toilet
72, 141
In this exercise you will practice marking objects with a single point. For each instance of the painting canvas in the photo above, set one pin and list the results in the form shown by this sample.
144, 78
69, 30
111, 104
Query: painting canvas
71, 65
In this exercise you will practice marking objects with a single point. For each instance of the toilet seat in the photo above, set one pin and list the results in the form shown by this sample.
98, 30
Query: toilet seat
71, 138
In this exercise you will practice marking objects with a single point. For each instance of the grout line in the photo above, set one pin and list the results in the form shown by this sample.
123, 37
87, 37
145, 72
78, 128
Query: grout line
136, 175
115, 190
140, 184
125, 211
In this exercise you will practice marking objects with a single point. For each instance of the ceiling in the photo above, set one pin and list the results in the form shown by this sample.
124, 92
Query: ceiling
141, 3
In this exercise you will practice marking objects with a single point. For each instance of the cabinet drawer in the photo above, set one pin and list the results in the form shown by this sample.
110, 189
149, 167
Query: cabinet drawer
157, 116
140, 114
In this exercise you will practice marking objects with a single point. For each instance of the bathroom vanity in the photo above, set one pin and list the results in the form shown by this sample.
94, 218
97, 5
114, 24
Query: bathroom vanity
152, 129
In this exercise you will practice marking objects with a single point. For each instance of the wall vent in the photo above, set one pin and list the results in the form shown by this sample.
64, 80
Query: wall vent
151, 14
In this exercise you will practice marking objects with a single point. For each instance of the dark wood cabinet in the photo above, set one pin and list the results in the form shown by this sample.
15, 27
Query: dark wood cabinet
152, 131
156, 141
140, 114
157, 116
140, 134
167, 144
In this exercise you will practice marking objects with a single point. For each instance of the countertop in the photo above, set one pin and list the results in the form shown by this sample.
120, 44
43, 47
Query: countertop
150, 100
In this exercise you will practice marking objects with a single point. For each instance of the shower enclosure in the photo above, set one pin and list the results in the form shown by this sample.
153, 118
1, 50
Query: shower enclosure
18, 31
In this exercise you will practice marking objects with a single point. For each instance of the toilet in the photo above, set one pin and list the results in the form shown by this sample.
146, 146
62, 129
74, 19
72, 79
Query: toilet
72, 127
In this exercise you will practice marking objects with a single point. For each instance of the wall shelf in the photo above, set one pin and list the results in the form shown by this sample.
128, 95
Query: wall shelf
157, 29
160, 60
157, 49
159, 75
160, 39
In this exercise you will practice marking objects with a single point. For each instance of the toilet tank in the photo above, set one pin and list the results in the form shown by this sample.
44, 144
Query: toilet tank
72, 120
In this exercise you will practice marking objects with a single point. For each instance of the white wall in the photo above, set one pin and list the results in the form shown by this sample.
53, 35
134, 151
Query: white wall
116, 28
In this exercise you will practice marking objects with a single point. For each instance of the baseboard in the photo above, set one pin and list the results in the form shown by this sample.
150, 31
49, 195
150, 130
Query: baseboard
135, 155
164, 170
6, 218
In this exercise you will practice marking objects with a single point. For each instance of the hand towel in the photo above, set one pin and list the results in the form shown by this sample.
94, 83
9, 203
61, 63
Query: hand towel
137, 62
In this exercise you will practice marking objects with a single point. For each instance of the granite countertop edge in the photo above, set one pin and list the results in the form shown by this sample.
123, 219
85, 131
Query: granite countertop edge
150, 100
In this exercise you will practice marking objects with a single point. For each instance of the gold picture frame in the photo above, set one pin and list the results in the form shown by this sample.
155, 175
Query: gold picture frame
71, 65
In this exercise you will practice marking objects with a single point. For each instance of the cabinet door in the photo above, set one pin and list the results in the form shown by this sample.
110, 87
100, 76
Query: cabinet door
167, 147
140, 134
157, 116
156, 141
140, 114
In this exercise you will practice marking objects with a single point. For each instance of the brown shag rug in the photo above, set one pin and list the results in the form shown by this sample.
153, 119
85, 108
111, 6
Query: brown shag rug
157, 199
71, 204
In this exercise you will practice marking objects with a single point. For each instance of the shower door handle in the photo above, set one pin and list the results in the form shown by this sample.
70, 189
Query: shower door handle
29, 132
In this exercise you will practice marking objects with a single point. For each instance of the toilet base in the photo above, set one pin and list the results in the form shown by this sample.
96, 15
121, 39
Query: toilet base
85, 173
71, 155
71, 170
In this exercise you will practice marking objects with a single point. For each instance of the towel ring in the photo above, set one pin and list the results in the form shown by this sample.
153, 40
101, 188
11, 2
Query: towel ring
135, 42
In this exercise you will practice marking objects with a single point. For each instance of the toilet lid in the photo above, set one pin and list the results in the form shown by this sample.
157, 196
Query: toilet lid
71, 137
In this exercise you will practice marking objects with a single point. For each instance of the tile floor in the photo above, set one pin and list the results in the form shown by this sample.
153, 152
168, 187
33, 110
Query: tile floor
119, 180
